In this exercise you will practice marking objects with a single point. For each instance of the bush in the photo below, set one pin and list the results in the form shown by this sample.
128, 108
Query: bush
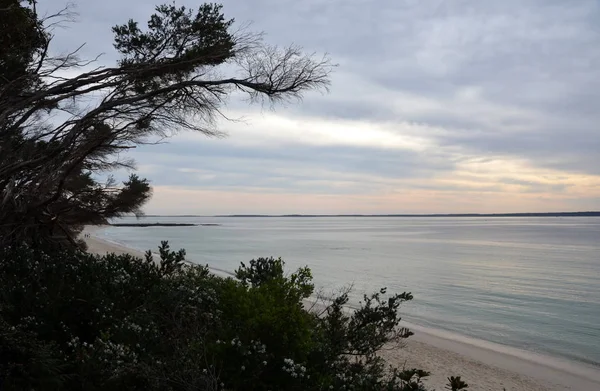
72, 320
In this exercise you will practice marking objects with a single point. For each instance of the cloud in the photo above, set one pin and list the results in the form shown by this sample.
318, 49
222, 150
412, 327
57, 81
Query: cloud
437, 106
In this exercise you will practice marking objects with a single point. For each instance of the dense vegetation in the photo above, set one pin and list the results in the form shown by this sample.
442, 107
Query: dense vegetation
76, 321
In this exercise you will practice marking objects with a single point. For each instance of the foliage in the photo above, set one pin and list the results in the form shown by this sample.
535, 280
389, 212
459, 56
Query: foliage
23, 38
72, 320
456, 383
64, 125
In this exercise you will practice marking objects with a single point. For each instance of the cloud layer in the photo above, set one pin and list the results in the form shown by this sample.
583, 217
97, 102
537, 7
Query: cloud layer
437, 106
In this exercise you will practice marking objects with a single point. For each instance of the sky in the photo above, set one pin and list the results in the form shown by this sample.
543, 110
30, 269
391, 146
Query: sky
457, 106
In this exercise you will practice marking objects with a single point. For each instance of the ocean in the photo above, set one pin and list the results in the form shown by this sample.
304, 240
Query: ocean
532, 283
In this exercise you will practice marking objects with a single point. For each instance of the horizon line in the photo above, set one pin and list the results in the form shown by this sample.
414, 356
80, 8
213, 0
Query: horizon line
522, 214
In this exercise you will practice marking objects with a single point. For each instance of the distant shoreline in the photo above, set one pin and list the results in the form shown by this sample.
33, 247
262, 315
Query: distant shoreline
161, 225
549, 214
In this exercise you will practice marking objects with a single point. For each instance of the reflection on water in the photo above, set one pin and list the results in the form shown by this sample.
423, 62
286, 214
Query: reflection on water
526, 282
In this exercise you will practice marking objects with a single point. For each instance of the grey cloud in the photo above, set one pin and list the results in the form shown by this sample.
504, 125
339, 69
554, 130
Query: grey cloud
540, 57
533, 68
299, 167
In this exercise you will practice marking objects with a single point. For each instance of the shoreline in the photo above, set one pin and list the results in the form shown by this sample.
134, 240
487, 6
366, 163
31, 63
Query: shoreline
546, 372
101, 246
483, 365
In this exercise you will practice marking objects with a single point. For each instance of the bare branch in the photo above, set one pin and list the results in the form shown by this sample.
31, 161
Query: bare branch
60, 121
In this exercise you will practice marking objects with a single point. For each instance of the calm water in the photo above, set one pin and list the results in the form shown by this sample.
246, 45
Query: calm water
531, 283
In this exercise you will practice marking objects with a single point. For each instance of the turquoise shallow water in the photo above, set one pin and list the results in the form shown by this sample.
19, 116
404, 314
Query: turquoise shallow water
530, 283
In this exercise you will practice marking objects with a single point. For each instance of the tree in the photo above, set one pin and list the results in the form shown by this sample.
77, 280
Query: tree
22, 38
59, 134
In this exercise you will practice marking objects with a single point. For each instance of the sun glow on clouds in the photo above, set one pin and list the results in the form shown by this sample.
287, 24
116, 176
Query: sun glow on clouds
470, 106
274, 129
475, 183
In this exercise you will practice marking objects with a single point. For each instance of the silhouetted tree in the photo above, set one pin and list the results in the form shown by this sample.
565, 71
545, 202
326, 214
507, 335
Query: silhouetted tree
63, 123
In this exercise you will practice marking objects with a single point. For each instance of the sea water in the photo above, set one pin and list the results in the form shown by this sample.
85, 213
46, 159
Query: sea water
531, 283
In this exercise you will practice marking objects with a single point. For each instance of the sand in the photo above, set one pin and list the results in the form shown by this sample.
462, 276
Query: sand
487, 366
96, 245
484, 366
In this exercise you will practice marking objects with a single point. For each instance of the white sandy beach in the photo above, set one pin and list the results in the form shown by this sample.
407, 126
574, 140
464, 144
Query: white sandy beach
484, 366
97, 245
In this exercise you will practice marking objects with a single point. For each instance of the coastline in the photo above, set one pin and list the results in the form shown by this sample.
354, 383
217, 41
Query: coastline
483, 365
97, 245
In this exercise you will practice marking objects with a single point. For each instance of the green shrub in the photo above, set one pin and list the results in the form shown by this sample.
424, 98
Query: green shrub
76, 321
